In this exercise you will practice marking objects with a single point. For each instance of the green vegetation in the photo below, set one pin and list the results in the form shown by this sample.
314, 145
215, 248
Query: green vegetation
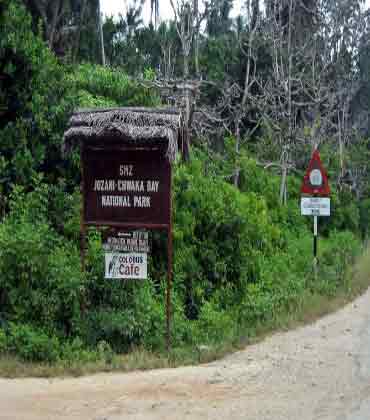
239, 265
242, 259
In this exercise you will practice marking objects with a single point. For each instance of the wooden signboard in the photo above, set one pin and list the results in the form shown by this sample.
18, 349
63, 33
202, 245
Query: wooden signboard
126, 187
126, 158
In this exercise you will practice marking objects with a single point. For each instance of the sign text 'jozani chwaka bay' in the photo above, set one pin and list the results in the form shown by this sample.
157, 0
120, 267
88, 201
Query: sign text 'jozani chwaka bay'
127, 185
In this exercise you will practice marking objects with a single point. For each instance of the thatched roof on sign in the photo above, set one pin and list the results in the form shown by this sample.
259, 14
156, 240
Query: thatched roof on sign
134, 126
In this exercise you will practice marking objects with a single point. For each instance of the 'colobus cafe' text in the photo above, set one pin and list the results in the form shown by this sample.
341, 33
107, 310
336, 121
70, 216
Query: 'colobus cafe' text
126, 161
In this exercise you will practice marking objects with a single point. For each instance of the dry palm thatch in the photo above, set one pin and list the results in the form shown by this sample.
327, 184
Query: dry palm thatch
133, 126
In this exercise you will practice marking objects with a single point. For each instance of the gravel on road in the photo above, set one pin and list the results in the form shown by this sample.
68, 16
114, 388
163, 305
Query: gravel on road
316, 372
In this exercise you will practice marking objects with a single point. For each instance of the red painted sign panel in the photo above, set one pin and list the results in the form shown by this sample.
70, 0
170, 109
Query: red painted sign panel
126, 187
315, 181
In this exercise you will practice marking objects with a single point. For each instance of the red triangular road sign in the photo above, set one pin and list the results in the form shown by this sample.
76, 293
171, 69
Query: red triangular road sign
315, 182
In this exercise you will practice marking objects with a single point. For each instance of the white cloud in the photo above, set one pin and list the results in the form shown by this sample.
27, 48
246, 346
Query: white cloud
114, 7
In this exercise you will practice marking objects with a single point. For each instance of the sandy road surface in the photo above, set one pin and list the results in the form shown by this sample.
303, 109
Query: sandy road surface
318, 372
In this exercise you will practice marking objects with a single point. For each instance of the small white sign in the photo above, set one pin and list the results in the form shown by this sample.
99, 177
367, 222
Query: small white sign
119, 265
134, 241
315, 206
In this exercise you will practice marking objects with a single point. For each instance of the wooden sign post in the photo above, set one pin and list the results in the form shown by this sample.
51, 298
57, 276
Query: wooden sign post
126, 157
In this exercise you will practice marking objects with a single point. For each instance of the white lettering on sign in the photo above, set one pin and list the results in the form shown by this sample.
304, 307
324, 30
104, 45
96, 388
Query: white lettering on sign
111, 185
126, 186
141, 201
115, 201
104, 185
130, 186
125, 266
152, 186
132, 241
126, 245
126, 170
315, 206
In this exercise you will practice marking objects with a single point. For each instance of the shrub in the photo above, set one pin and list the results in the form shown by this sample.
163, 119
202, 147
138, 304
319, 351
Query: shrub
221, 237
365, 218
100, 85
337, 256
31, 344
3, 342
40, 275
214, 326
237, 264
37, 97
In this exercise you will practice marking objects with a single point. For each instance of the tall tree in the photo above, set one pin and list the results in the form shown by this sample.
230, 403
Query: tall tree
81, 20
55, 15
101, 34
167, 38
154, 10
218, 21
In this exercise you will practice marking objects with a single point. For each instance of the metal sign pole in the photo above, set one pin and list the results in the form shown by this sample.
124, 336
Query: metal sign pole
315, 245
169, 274
82, 215
168, 294
315, 236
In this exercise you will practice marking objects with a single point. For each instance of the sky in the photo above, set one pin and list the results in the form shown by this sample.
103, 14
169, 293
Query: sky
114, 7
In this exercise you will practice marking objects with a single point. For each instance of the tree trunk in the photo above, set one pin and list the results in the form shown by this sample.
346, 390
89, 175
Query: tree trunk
186, 65
283, 185
196, 37
285, 157
186, 140
255, 13
101, 35
341, 128
51, 30
196, 54
79, 30
237, 151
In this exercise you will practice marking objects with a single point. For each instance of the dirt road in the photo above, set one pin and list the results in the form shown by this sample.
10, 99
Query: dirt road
318, 372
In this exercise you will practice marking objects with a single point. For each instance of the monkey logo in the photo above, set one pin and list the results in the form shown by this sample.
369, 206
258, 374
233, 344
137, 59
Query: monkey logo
112, 266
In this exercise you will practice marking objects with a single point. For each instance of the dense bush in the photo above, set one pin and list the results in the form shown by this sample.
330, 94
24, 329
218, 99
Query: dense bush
3, 342
37, 97
240, 258
102, 86
40, 279
221, 237
32, 344
236, 264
